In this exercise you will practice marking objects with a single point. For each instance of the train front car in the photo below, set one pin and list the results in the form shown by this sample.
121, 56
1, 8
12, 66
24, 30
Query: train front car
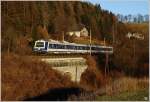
40, 46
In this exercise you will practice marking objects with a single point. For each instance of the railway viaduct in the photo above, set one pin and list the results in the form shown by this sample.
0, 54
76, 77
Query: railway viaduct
73, 66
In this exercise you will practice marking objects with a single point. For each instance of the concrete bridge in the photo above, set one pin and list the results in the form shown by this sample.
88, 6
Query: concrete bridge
74, 67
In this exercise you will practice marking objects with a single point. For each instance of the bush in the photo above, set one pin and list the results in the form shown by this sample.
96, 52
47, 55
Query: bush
92, 77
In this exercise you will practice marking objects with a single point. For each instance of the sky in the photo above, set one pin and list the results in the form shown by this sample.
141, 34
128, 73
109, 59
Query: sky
124, 7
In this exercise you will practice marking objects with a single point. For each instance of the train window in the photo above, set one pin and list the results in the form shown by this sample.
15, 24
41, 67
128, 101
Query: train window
69, 47
50, 45
109, 49
55, 46
65, 47
80, 47
92, 48
97, 48
75, 47
39, 44
72, 47
102, 48
59, 46
84, 47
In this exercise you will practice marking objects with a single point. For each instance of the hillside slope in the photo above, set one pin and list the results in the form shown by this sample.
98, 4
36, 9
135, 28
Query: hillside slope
36, 20
25, 77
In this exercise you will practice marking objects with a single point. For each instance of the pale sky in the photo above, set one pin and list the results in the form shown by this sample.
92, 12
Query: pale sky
124, 6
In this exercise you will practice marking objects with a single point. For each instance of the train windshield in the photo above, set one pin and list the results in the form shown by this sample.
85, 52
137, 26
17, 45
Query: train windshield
40, 44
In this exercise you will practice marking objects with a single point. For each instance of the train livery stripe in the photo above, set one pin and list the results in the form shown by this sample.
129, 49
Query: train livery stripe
51, 47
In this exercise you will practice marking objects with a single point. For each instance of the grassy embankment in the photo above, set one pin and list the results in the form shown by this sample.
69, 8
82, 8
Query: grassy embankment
127, 89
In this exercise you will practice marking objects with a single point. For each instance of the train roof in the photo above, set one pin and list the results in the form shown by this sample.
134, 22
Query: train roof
41, 40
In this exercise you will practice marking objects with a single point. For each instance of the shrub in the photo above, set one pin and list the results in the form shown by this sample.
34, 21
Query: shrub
92, 78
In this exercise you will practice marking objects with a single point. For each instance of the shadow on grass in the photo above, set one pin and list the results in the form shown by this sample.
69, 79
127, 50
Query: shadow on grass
139, 95
59, 94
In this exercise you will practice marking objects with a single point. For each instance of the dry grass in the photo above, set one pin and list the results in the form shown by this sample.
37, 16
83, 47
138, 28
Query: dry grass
143, 27
126, 84
24, 77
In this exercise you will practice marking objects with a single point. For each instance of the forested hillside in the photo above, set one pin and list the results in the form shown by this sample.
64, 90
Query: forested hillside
25, 22
35, 20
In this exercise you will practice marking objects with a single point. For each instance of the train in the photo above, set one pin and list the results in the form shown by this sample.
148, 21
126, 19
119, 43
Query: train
57, 47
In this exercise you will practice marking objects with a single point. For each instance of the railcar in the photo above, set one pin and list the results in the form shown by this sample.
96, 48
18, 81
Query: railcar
66, 47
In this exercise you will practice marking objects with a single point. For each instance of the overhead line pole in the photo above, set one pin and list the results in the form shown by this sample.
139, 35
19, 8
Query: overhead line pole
90, 42
113, 32
104, 42
63, 36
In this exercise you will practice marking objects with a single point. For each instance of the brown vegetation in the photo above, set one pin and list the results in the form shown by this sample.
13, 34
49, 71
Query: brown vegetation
131, 55
140, 28
126, 84
24, 77
92, 78
43, 20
